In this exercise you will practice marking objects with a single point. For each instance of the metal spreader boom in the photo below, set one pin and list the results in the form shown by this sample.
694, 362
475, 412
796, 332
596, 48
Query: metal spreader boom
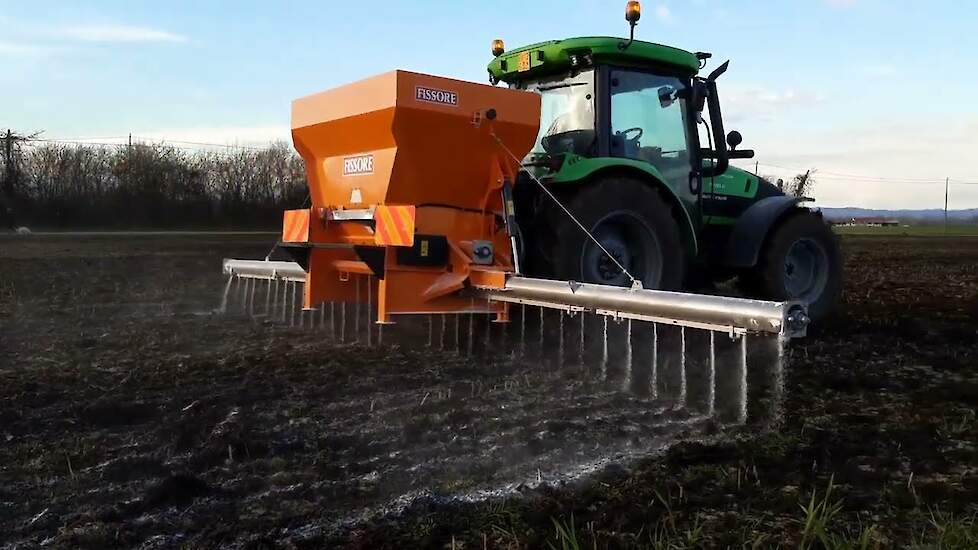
717, 313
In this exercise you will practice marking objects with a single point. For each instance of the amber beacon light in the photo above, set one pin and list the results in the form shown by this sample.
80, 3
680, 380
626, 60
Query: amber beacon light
498, 47
633, 11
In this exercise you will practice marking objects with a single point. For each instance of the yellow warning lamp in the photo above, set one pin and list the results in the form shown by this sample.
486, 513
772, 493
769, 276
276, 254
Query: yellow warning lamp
498, 47
633, 12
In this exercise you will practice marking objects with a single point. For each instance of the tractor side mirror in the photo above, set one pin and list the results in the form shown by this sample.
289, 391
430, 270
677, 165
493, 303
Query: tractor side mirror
667, 96
734, 139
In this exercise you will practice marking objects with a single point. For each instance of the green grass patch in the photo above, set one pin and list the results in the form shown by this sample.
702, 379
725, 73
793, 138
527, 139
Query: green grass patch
951, 532
818, 529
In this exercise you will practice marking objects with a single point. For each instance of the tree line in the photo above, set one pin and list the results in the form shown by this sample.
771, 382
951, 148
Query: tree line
60, 185
143, 185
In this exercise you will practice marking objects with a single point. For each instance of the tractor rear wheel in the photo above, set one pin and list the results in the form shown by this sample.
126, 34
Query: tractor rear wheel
631, 221
801, 261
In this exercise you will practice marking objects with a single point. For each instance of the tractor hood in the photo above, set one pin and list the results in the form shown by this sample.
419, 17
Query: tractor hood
558, 56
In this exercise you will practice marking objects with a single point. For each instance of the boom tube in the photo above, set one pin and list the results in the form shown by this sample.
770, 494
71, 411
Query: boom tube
734, 315
719, 313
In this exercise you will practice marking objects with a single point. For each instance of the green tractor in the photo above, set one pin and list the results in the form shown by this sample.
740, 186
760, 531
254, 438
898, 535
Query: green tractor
632, 146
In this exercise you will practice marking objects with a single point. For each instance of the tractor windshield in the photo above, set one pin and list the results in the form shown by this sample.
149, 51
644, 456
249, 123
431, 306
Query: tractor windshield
650, 121
566, 115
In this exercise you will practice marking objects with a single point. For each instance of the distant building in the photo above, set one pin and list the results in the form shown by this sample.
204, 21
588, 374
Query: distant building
872, 222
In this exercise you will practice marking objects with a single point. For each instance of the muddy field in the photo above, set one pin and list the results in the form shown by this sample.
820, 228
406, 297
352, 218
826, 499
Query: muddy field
131, 415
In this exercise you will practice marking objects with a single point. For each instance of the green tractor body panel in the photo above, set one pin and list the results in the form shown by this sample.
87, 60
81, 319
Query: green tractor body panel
733, 185
558, 56
577, 169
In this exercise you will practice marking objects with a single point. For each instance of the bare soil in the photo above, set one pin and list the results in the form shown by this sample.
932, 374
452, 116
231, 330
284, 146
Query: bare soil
131, 415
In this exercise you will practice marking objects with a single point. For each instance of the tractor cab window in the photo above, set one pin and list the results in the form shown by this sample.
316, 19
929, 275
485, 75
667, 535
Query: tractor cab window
648, 122
566, 115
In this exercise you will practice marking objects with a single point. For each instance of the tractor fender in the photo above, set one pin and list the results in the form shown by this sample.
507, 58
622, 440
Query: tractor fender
752, 228
580, 170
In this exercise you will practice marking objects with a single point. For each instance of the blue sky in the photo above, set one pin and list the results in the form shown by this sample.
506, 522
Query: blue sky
870, 88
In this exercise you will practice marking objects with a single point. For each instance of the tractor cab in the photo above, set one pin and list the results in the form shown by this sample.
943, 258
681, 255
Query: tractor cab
621, 100
632, 148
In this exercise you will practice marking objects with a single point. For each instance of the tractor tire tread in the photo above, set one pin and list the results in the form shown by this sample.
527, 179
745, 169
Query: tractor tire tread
767, 279
590, 202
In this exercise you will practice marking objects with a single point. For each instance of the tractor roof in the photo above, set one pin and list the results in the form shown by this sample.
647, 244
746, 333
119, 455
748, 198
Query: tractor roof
557, 56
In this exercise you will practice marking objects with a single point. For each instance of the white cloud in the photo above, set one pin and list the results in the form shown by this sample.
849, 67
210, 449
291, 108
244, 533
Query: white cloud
765, 104
117, 33
896, 165
34, 42
14, 49
664, 14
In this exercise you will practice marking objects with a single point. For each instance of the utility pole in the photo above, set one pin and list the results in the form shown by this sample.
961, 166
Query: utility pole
10, 172
129, 164
7, 191
8, 162
11, 175
947, 182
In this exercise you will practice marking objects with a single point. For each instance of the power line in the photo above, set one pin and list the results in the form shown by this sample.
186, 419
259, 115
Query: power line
115, 145
225, 145
872, 179
77, 142
83, 139
185, 145
857, 176
895, 181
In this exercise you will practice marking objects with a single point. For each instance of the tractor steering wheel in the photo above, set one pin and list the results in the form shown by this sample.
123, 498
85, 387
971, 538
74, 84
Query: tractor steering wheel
624, 133
625, 145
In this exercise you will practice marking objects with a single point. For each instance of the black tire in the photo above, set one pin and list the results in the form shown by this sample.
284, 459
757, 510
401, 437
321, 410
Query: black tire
631, 220
800, 261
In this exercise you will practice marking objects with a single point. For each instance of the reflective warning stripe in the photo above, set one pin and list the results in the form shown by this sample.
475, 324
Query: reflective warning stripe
394, 225
295, 226
386, 230
382, 233
402, 221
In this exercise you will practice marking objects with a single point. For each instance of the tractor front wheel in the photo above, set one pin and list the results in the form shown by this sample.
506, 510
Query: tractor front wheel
635, 227
801, 261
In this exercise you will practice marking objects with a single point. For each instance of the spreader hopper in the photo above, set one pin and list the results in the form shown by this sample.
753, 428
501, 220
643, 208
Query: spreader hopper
407, 184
